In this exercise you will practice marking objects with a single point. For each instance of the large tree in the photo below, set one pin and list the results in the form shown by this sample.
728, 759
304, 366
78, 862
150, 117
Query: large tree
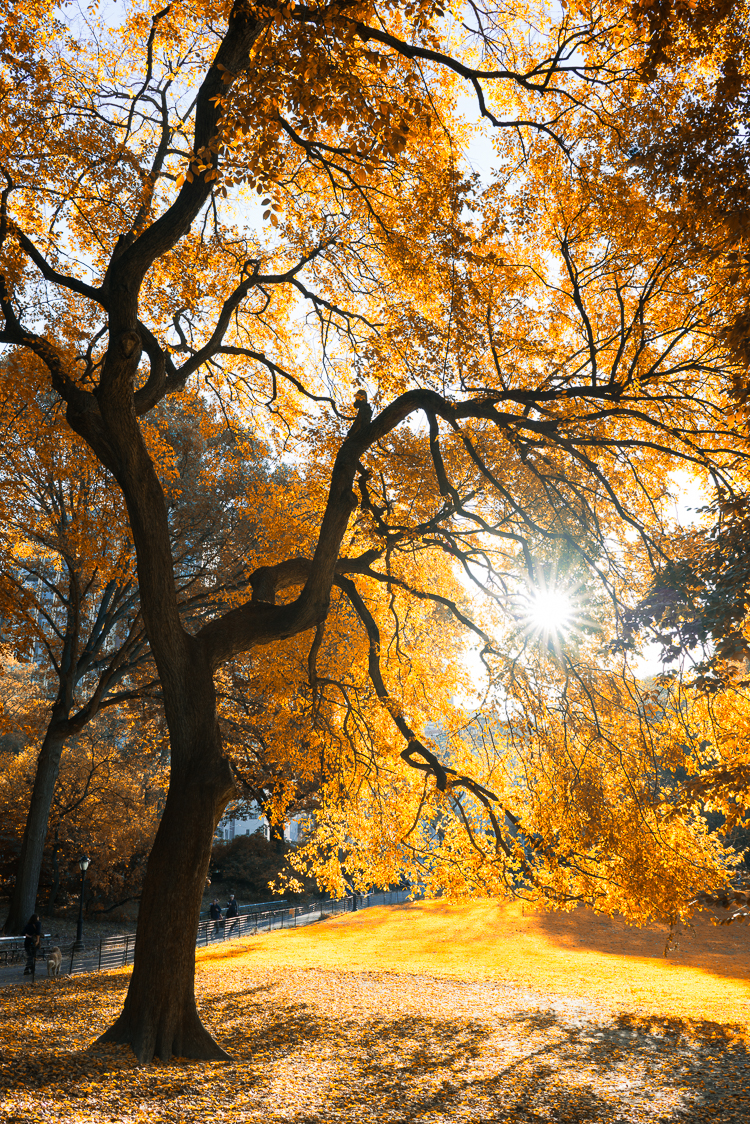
477, 387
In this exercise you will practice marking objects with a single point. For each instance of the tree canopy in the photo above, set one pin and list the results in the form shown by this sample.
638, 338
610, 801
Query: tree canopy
465, 385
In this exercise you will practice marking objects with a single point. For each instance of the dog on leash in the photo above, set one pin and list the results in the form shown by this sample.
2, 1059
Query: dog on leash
54, 962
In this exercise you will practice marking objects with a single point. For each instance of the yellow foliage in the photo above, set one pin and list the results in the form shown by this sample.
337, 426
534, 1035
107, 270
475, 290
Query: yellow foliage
454, 387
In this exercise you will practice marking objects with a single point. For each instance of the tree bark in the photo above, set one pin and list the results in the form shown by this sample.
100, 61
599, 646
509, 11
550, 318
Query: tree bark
23, 898
160, 1017
56, 875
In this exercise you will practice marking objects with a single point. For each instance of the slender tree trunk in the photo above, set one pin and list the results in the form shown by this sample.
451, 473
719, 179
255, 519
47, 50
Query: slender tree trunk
160, 1017
23, 898
56, 874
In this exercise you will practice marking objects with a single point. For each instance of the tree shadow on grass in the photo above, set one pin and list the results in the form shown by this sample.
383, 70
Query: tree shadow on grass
722, 951
525, 1068
544, 1070
295, 1061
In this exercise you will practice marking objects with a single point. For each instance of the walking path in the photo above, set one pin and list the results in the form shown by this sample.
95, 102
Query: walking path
117, 951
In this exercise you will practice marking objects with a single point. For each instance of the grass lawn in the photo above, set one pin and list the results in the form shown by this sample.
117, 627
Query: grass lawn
572, 954
426, 1012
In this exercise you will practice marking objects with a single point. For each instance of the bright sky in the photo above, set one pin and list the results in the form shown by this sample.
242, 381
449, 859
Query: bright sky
549, 611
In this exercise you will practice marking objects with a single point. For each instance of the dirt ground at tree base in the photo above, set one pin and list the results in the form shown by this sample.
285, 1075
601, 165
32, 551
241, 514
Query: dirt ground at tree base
354, 1041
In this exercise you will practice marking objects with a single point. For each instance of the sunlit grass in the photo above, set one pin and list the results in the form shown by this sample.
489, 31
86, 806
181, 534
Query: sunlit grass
575, 954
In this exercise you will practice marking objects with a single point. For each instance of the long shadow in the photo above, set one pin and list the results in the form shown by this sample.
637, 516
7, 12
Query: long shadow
424, 1069
721, 950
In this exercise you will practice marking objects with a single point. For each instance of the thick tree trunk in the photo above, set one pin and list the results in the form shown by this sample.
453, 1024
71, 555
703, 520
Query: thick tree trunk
160, 1018
23, 898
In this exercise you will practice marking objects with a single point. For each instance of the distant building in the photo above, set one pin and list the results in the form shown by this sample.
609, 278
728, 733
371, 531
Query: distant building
251, 821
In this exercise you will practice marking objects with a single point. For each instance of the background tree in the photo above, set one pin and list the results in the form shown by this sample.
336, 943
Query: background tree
68, 588
106, 803
69, 601
686, 141
685, 137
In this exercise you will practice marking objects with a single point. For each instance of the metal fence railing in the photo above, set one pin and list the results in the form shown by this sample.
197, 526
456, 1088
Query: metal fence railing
252, 920
118, 951
12, 950
114, 952
260, 907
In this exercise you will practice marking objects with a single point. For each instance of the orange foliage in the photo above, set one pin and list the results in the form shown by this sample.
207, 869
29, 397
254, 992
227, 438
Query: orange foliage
106, 804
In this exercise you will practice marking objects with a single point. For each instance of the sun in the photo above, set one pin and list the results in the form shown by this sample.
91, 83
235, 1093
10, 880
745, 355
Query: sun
550, 610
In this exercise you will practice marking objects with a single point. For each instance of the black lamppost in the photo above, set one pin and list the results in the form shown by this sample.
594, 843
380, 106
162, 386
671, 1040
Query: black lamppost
83, 862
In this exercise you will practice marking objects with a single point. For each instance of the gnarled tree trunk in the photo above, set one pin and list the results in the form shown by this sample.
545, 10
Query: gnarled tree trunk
160, 1018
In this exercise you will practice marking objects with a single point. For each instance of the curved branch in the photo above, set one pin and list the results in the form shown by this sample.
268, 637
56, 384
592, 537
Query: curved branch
232, 59
260, 621
446, 778
50, 273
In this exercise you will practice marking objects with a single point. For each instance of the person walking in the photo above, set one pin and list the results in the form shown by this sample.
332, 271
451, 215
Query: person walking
32, 938
215, 915
233, 911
